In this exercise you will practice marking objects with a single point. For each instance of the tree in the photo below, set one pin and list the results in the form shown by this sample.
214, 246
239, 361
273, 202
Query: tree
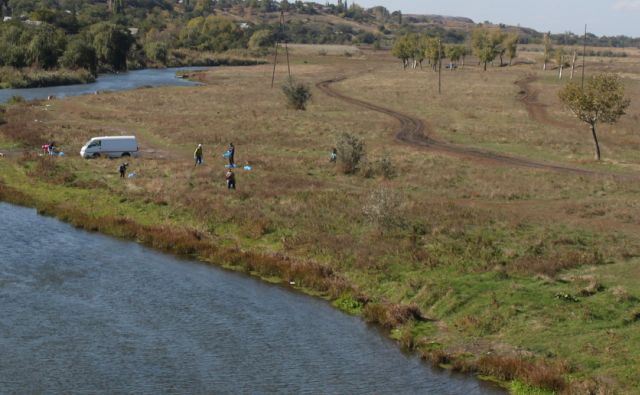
80, 54
455, 53
112, 43
547, 50
46, 46
601, 100
487, 44
261, 39
157, 51
433, 52
560, 61
511, 45
403, 49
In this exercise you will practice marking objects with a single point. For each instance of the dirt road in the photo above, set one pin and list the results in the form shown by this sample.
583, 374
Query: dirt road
537, 111
413, 131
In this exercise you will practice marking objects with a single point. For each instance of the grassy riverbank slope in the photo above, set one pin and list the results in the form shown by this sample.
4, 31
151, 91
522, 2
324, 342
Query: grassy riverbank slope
37, 78
479, 265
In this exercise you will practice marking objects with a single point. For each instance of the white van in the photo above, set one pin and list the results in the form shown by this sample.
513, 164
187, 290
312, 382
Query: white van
110, 146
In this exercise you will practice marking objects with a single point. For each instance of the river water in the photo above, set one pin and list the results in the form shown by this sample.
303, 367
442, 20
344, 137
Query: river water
85, 313
106, 82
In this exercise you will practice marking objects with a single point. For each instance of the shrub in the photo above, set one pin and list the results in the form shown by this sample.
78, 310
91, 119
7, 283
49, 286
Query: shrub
383, 209
15, 99
351, 152
386, 167
297, 93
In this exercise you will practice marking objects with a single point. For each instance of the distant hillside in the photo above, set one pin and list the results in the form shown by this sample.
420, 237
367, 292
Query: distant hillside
118, 34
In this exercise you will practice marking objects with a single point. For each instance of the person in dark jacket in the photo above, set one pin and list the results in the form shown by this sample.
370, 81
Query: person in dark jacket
123, 169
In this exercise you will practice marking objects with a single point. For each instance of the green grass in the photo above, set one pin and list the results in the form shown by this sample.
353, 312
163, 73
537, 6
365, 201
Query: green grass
518, 262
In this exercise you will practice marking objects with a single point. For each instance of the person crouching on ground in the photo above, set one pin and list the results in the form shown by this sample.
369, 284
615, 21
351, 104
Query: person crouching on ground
197, 155
231, 179
123, 169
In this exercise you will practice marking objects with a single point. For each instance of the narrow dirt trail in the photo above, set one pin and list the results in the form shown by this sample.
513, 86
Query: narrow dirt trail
412, 131
537, 111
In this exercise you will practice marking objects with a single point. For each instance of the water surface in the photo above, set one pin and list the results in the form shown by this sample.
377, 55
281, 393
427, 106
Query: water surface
85, 313
106, 82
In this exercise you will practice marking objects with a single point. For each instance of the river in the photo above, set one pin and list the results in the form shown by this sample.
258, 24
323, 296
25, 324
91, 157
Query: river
106, 82
85, 313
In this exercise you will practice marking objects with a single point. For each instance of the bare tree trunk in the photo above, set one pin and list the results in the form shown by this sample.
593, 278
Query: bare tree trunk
595, 140
544, 66
463, 62
561, 68
573, 64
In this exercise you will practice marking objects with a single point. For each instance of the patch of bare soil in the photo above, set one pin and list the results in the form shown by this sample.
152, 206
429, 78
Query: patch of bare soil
537, 110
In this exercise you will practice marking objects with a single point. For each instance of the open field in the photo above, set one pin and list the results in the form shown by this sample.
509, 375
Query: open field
489, 259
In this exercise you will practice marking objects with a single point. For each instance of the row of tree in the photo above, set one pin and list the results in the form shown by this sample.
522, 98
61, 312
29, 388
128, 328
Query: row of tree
44, 46
413, 49
487, 44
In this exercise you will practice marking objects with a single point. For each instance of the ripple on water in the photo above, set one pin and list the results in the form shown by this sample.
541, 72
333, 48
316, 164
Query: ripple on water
86, 313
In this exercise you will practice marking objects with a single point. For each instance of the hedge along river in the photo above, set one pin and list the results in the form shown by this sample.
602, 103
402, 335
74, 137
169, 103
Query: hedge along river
85, 313
106, 82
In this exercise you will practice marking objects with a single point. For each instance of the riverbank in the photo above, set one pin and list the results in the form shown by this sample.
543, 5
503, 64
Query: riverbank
12, 78
481, 271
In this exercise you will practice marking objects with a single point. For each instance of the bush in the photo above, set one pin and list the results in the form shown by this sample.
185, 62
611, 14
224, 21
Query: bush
15, 99
383, 167
383, 209
297, 93
351, 152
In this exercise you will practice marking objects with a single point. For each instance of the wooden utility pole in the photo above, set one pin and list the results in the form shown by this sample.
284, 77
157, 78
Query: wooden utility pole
439, 66
286, 50
584, 53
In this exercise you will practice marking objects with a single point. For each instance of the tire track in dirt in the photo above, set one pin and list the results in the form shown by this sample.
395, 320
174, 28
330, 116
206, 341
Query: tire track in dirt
537, 111
412, 131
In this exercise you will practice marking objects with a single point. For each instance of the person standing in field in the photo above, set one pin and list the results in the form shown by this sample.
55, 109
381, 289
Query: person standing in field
231, 179
334, 155
198, 155
123, 169
232, 152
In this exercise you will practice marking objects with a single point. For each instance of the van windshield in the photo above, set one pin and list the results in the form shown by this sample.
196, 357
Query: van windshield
95, 143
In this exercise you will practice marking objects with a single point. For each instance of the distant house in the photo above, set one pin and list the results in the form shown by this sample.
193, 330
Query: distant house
6, 19
32, 23
133, 30
244, 25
